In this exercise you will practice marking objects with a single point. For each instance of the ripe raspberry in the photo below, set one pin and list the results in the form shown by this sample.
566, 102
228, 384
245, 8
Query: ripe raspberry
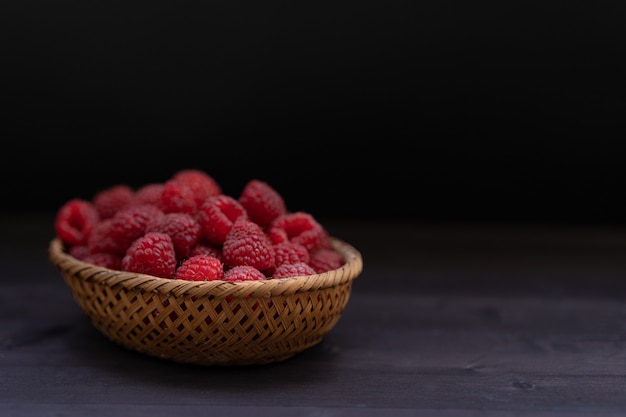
293, 270
200, 268
177, 198
206, 249
277, 235
262, 202
217, 215
183, 228
290, 253
100, 239
148, 194
105, 260
79, 251
325, 260
287, 253
110, 200
247, 244
74, 221
201, 184
151, 254
242, 273
116, 235
302, 228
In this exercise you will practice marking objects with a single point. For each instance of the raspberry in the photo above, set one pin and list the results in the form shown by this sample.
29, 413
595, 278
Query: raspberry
217, 215
242, 273
79, 251
325, 260
127, 225
152, 254
277, 235
100, 239
206, 249
177, 198
199, 182
293, 270
290, 253
183, 228
75, 220
287, 253
302, 228
110, 200
247, 244
148, 194
262, 202
200, 268
106, 260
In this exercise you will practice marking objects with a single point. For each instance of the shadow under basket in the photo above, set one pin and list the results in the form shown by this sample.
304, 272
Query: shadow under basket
211, 322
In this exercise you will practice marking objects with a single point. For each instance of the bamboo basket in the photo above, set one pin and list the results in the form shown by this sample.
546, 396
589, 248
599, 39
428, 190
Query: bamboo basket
211, 322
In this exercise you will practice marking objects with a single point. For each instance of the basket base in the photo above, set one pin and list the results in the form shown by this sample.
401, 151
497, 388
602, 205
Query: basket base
233, 358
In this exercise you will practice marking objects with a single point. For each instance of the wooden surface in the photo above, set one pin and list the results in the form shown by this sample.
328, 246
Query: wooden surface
444, 321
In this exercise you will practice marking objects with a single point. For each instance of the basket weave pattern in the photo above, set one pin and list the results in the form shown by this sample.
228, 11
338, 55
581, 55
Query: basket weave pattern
211, 322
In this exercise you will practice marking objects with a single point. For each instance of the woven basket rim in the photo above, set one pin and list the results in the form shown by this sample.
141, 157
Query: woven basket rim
351, 269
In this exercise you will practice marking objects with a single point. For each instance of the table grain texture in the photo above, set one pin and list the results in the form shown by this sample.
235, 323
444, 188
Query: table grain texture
445, 320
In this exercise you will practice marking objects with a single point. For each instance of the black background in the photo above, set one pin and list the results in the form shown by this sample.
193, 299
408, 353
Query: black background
436, 111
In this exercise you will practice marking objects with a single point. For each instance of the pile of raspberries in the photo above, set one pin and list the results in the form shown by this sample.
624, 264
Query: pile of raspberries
187, 228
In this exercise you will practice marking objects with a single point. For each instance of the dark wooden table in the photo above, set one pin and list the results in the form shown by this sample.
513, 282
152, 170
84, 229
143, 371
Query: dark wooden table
445, 320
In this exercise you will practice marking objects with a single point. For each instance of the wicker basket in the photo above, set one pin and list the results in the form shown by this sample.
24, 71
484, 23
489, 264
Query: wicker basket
211, 322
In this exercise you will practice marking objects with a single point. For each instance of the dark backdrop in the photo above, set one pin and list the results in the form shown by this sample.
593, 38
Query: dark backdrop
433, 111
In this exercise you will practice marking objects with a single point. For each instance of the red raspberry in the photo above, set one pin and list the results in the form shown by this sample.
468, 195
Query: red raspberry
79, 251
290, 253
105, 260
148, 194
247, 244
116, 235
183, 228
206, 249
177, 198
200, 268
277, 235
302, 228
151, 254
242, 273
293, 270
325, 260
110, 200
74, 221
262, 202
217, 216
100, 239
287, 253
201, 184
